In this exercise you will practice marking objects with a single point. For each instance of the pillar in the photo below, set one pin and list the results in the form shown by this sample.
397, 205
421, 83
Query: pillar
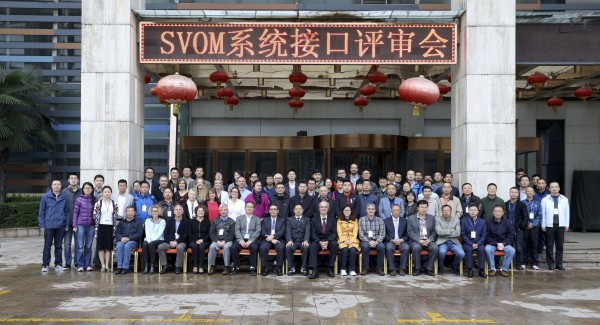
112, 87
483, 96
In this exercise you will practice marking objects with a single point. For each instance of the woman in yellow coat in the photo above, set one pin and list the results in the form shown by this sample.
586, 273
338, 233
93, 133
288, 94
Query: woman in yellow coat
347, 228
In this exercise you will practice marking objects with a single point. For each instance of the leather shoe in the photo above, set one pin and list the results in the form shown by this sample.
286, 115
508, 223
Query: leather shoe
146, 269
393, 273
364, 272
492, 273
118, 271
314, 275
455, 270
430, 273
401, 272
291, 272
124, 271
380, 272
482, 274
441, 271
303, 272
550, 268
151, 269
560, 268
234, 272
253, 271
226, 271
503, 273
416, 272
278, 272
177, 270
165, 269
470, 273
211, 270
265, 272
330, 273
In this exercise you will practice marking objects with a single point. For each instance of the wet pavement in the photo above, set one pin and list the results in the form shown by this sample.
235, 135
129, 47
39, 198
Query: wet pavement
530, 297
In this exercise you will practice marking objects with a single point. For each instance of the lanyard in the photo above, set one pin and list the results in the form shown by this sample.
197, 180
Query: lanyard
474, 223
370, 224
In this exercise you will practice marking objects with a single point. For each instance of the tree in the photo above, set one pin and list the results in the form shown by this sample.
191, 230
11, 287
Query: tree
23, 127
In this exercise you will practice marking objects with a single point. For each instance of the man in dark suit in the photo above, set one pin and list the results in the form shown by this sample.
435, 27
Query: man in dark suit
516, 213
176, 236
421, 231
272, 232
396, 238
247, 232
346, 198
302, 198
297, 236
149, 177
324, 236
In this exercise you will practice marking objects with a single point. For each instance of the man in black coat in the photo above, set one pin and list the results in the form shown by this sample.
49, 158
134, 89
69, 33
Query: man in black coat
396, 238
346, 198
302, 198
273, 237
323, 237
281, 199
297, 236
516, 213
176, 236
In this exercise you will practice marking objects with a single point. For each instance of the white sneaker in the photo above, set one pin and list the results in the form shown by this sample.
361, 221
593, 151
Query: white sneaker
79, 269
535, 267
44, 269
59, 268
343, 273
523, 267
352, 273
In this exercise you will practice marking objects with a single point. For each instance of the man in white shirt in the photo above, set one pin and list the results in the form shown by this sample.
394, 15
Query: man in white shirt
555, 222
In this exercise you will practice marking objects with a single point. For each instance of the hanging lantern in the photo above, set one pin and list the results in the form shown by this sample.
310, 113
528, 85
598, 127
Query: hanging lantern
449, 78
218, 77
175, 90
419, 92
297, 78
297, 93
361, 102
555, 103
583, 93
153, 92
368, 91
147, 78
377, 78
296, 104
443, 90
232, 101
537, 80
225, 93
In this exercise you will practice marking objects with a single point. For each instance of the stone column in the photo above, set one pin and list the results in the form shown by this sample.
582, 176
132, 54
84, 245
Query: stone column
483, 96
112, 80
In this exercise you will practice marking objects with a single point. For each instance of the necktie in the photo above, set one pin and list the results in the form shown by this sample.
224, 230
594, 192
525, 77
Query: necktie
324, 225
273, 225
347, 199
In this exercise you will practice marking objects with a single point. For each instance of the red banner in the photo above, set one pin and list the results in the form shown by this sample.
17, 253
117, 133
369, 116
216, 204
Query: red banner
291, 43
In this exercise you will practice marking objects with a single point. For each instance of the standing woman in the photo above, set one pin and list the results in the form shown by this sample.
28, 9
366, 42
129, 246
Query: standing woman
199, 237
347, 228
410, 207
329, 184
235, 204
155, 228
190, 205
236, 174
202, 193
106, 216
260, 200
83, 227
212, 204
222, 195
181, 195
405, 190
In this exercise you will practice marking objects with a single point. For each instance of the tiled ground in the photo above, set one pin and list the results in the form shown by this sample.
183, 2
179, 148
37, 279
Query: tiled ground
542, 297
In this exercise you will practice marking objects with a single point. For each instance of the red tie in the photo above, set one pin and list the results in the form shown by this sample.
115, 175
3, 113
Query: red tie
324, 225
348, 199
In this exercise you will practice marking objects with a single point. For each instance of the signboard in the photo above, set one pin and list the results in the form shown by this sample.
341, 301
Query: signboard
292, 43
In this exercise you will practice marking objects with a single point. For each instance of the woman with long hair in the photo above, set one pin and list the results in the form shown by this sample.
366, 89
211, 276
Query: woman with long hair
212, 205
235, 204
181, 194
202, 193
260, 200
347, 228
105, 216
222, 195
410, 206
83, 226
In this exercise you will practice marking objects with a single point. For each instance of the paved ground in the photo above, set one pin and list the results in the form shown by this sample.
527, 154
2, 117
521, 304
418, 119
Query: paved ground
530, 297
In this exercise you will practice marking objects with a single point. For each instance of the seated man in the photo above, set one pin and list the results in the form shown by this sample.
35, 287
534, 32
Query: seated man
324, 237
396, 238
297, 236
421, 231
247, 231
176, 236
371, 232
273, 234
222, 234
447, 228
474, 232
128, 234
500, 236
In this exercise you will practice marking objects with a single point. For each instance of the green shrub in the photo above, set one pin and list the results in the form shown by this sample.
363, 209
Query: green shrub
24, 198
19, 214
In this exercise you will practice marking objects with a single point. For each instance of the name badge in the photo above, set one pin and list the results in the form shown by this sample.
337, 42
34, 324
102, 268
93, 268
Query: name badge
555, 210
221, 232
473, 234
530, 215
272, 231
247, 236
370, 233
169, 213
143, 208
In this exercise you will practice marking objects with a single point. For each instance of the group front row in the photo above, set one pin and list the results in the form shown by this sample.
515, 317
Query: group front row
421, 235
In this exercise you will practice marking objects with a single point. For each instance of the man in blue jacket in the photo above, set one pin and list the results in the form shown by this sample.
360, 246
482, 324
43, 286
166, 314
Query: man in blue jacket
473, 233
52, 218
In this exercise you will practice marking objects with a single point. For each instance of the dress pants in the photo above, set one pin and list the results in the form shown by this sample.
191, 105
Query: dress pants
530, 240
416, 249
315, 248
344, 252
198, 253
289, 252
264, 254
149, 251
365, 250
389, 251
555, 236
519, 247
212, 253
162, 255
469, 251
123, 253
53, 235
235, 254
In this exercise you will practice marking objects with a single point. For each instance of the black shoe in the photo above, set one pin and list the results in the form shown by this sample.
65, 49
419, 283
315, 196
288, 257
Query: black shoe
430, 273
455, 270
291, 272
235, 271
253, 271
550, 268
177, 270
278, 272
416, 272
304, 272
124, 271
314, 275
146, 269
364, 272
401, 272
330, 273
165, 269
470, 273
151, 269
265, 272
118, 271
67, 266
380, 272
561, 268
440, 271
482, 274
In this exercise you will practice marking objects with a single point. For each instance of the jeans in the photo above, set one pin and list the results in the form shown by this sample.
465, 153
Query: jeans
53, 235
443, 249
83, 246
509, 253
67, 243
123, 253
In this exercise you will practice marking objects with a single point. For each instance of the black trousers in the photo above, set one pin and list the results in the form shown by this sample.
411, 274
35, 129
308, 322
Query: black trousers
53, 235
332, 247
235, 254
530, 239
289, 252
264, 254
198, 253
149, 251
555, 236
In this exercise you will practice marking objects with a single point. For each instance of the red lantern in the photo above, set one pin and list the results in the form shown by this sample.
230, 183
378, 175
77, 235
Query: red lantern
176, 90
537, 80
443, 90
361, 102
147, 78
232, 101
368, 91
153, 91
555, 103
419, 92
297, 93
297, 78
218, 77
225, 92
377, 78
449, 78
583, 93
296, 104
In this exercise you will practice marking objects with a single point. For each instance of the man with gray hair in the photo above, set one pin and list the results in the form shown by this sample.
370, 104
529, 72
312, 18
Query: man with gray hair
222, 233
371, 232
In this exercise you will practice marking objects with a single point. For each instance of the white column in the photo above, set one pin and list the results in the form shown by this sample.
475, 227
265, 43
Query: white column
112, 80
483, 96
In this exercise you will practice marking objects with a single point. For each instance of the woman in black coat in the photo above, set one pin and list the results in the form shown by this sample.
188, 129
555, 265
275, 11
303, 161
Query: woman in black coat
199, 237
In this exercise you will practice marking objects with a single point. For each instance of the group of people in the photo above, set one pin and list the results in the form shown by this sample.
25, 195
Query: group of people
424, 217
